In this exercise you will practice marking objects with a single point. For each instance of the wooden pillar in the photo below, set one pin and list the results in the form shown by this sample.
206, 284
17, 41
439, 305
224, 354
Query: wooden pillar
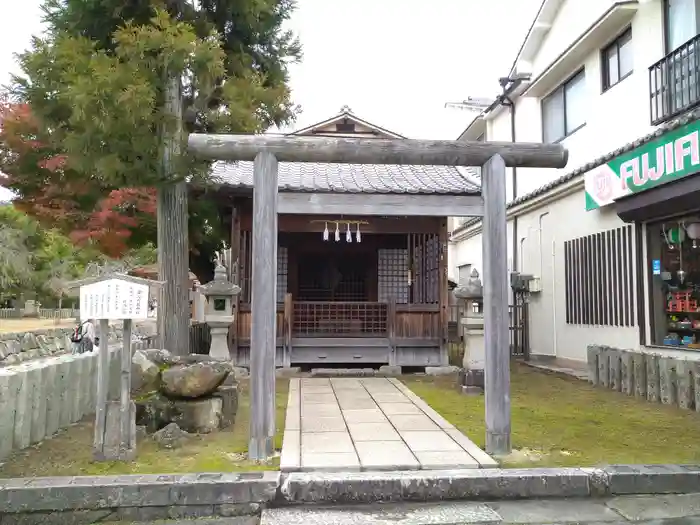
235, 259
288, 325
127, 409
391, 329
495, 278
263, 340
102, 390
443, 297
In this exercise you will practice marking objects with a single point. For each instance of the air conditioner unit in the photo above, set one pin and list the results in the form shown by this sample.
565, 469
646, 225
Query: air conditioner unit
519, 282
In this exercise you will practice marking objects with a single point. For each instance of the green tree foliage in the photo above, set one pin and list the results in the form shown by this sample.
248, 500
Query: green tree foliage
42, 261
91, 113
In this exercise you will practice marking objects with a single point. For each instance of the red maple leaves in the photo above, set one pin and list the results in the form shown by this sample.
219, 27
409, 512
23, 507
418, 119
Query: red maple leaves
58, 197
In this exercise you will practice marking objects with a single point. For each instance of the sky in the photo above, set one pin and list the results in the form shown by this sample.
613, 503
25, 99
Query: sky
395, 63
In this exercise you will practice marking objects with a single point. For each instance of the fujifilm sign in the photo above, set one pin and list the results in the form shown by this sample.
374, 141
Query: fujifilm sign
670, 157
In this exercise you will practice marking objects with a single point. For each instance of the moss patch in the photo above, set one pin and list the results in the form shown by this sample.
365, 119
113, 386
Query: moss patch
558, 421
70, 452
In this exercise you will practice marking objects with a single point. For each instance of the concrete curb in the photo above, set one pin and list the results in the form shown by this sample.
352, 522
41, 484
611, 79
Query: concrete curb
152, 497
370, 487
133, 497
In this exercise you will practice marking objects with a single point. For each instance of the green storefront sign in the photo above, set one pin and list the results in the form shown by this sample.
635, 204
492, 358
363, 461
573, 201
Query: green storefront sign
674, 155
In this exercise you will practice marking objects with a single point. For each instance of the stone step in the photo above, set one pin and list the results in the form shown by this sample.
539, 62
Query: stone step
239, 520
650, 510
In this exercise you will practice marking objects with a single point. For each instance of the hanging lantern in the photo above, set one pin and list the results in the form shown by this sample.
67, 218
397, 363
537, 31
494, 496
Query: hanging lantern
348, 234
693, 231
325, 232
337, 232
676, 235
357, 235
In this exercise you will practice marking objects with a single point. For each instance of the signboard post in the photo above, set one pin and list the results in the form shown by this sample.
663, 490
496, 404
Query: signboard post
108, 298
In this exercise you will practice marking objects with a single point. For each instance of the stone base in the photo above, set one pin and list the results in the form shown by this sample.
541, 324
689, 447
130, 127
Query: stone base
472, 390
471, 379
199, 416
287, 372
474, 378
390, 370
441, 370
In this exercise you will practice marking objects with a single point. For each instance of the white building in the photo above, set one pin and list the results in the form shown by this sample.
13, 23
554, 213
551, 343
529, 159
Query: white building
618, 84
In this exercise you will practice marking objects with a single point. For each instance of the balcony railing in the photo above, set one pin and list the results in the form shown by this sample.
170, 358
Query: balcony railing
674, 82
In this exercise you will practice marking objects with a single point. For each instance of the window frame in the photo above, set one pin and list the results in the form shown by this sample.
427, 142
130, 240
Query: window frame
667, 26
605, 65
561, 88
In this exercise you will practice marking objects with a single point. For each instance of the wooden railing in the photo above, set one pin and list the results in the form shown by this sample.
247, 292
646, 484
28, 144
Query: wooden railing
349, 319
398, 322
245, 318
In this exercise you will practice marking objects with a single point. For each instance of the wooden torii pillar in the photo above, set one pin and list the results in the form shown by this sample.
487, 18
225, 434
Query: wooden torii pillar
267, 150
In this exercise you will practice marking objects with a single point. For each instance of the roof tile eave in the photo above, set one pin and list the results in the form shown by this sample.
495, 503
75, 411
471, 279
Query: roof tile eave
598, 161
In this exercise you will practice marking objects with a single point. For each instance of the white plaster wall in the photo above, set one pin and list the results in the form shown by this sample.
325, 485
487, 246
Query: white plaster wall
616, 117
469, 251
541, 235
573, 18
544, 232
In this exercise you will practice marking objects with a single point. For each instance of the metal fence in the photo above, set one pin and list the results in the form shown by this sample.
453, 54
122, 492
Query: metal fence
519, 341
674, 82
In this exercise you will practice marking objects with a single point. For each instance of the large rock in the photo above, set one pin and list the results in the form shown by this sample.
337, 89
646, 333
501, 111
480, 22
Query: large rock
145, 374
194, 380
159, 357
171, 436
199, 416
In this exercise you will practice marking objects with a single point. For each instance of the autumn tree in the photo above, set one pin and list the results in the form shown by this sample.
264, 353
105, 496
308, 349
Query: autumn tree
92, 109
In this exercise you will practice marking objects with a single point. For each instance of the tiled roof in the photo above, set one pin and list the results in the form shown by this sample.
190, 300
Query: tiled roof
599, 161
353, 178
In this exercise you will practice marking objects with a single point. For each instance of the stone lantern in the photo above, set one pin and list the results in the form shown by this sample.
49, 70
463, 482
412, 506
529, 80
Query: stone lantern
472, 322
219, 314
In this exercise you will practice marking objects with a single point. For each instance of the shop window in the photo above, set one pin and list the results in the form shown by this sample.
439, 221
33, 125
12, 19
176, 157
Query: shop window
674, 271
599, 274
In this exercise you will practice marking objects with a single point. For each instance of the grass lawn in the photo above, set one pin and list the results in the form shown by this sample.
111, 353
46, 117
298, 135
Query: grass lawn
70, 452
571, 423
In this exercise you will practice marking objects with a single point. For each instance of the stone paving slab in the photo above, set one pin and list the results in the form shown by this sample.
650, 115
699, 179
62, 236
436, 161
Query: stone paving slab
645, 510
446, 514
636, 508
369, 424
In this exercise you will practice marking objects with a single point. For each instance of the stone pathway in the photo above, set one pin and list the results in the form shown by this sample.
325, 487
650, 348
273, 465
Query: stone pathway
343, 424
677, 509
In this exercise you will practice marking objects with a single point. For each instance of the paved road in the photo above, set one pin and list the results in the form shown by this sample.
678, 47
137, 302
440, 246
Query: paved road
681, 509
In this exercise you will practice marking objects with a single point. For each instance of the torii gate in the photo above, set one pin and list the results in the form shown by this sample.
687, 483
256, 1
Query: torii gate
267, 150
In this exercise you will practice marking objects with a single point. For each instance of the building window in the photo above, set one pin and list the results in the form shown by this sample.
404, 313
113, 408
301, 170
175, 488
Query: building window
617, 60
680, 25
598, 270
564, 110
674, 273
